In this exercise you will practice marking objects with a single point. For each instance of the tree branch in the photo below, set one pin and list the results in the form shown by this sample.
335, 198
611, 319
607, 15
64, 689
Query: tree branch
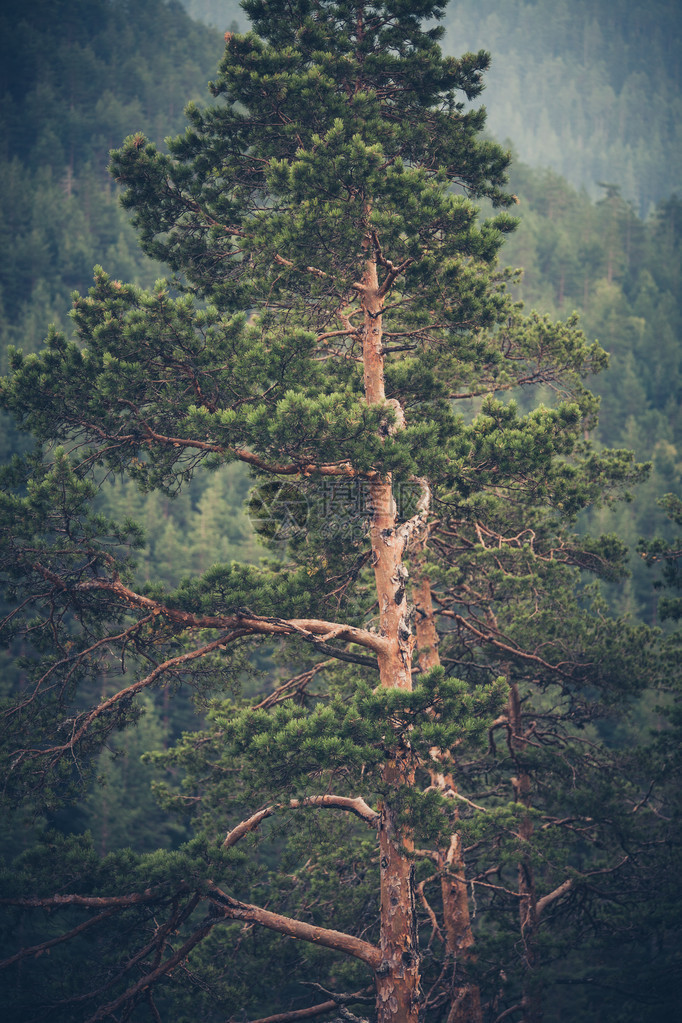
343, 468
296, 1014
37, 949
89, 901
291, 686
146, 982
508, 1012
129, 692
244, 621
357, 806
336, 940
315, 1010
489, 638
546, 900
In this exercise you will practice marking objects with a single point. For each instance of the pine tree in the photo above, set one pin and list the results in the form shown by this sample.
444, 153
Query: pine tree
336, 298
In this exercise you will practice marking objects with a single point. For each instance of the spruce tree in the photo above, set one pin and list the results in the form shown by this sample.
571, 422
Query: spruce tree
338, 323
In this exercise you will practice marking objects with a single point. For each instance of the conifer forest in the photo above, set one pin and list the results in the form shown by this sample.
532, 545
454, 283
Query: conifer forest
340, 511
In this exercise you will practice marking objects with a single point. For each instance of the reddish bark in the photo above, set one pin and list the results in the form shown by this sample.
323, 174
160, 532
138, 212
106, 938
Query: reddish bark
397, 979
459, 940
528, 907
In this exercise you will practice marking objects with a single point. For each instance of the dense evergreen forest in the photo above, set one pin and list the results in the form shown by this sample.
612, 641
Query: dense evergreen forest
579, 759
74, 78
574, 86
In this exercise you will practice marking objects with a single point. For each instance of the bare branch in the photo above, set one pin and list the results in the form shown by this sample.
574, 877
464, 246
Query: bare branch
301, 269
89, 901
356, 806
38, 949
314, 1010
489, 638
644, 800
75, 660
248, 825
435, 929
546, 900
146, 982
136, 687
450, 793
508, 1012
295, 1014
293, 685
337, 940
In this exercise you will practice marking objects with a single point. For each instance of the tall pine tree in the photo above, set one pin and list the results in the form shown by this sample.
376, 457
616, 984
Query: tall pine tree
336, 299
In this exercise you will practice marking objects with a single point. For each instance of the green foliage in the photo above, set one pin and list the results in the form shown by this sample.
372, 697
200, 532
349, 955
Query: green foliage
357, 734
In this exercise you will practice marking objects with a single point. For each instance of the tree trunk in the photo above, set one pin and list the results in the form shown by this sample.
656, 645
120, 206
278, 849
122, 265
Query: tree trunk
397, 979
398, 991
459, 940
528, 910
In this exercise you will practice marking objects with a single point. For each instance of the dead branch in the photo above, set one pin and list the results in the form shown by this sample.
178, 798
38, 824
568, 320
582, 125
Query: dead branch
313, 1010
293, 685
89, 901
45, 945
164, 968
357, 806
546, 900
232, 909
